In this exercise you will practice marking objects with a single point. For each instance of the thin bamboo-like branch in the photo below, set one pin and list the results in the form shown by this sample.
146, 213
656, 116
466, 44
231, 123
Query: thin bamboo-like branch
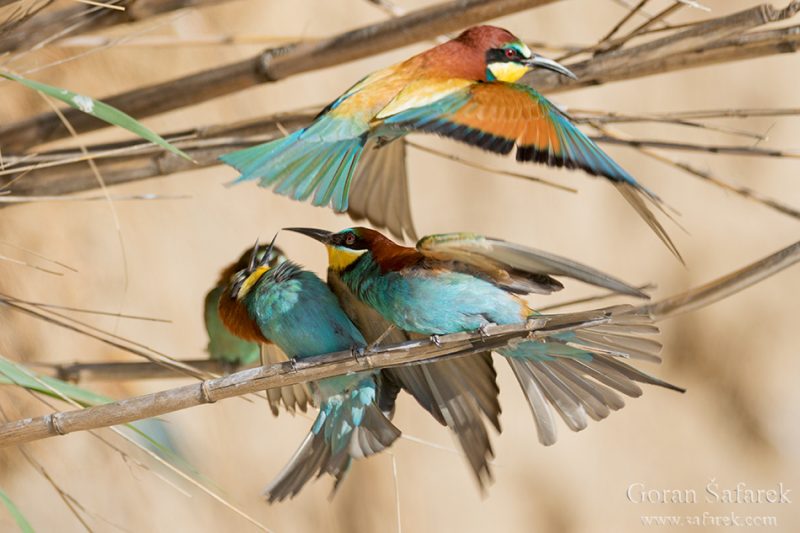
153, 455
291, 372
740, 48
133, 161
725, 286
79, 18
732, 113
108, 338
129, 370
677, 117
690, 147
745, 192
327, 365
70, 501
630, 14
602, 117
717, 40
269, 66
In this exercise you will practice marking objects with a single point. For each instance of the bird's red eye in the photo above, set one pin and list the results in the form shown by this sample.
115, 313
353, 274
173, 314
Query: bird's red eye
511, 53
350, 239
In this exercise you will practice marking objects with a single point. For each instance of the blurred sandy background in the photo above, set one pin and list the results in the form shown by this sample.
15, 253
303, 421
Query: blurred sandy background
738, 422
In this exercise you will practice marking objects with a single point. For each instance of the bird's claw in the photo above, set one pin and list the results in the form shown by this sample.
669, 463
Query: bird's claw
482, 331
358, 352
435, 340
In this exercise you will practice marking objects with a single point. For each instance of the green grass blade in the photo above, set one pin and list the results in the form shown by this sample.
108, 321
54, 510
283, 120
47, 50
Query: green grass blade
16, 514
99, 110
11, 374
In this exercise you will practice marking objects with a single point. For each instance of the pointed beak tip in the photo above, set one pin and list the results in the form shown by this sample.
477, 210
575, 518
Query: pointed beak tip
555, 66
316, 234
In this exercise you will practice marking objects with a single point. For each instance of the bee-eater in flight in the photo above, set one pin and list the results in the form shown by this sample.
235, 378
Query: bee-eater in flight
225, 346
463, 282
467, 89
294, 309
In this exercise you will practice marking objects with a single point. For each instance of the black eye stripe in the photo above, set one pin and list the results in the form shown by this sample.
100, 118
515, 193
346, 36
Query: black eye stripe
502, 55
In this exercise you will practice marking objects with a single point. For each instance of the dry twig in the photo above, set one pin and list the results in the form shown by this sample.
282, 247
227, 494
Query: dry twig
78, 18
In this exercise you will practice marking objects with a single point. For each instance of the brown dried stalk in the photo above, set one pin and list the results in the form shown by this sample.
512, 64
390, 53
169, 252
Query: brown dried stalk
291, 372
124, 371
719, 35
745, 192
315, 368
110, 339
269, 66
692, 147
80, 18
725, 286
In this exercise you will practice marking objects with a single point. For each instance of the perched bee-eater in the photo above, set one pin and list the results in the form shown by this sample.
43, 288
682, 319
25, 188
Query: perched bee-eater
458, 392
463, 282
222, 344
294, 309
466, 89
225, 346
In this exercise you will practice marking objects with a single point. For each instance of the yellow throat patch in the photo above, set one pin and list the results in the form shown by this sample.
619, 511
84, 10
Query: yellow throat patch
341, 258
251, 280
508, 72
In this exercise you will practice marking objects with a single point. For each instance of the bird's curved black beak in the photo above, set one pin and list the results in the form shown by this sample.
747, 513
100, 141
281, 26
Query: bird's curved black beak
549, 64
317, 234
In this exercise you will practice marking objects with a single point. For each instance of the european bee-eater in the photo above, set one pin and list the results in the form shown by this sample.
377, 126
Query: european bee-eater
466, 89
222, 344
463, 282
458, 393
225, 346
294, 309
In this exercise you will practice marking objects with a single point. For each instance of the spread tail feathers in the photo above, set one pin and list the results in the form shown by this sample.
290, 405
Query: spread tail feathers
349, 426
579, 374
299, 167
459, 393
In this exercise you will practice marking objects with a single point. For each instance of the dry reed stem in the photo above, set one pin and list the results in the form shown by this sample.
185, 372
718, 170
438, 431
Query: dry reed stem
291, 372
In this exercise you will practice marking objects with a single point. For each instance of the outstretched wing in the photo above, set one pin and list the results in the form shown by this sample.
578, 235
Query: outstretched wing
497, 116
317, 162
379, 192
528, 268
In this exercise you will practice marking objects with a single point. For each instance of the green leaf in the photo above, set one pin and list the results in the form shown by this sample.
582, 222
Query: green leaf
12, 374
99, 110
16, 514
